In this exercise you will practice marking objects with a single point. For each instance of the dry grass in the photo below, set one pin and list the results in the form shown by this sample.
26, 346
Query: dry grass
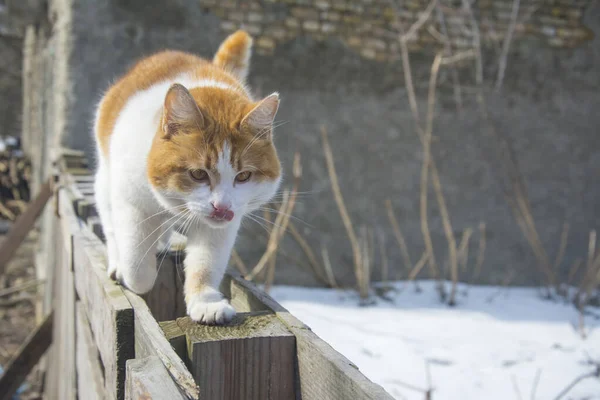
279, 228
357, 254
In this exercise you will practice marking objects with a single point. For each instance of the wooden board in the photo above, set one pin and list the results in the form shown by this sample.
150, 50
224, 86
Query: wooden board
23, 225
108, 310
148, 379
251, 358
26, 358
176, 338
90, 381
151, 341
323, 372
64, 314
166, 299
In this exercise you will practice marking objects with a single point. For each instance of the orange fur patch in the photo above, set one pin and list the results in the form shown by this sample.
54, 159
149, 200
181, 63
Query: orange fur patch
170, 159
223, 110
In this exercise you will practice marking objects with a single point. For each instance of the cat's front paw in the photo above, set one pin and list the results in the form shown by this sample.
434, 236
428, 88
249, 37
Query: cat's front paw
210, 308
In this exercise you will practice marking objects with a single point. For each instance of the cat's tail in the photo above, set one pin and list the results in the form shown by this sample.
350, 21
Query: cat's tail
234, 54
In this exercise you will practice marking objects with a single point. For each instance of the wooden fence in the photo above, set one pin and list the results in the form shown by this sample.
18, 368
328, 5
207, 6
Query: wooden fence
112, 344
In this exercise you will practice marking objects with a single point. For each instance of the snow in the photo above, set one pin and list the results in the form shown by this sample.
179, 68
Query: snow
494, 341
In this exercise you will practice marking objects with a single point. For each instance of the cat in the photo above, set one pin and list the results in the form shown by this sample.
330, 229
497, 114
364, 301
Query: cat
181, 143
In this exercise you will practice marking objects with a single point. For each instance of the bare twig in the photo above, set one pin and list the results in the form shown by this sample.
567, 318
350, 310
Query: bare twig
481, 252
419, 22
567, 389
270, 270
517, 199
506, 45
356, 251
280, 226
16, 300
383, 258
418, 267
399, 236
448, 49
463, 249
18, 288
435, 179
516, 387
428, 163
365, 267
275, 236
312, 259
328, 269
458, 57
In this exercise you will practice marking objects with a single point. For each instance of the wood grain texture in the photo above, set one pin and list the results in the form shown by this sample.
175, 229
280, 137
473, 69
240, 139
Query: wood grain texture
64, 315
108, 310
26, 358
252, 358
148, 379
90, 381
23, 225
323, 372
176, 338
151, 341
166, 299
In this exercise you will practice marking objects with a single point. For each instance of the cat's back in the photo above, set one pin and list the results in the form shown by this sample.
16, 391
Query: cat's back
146, 73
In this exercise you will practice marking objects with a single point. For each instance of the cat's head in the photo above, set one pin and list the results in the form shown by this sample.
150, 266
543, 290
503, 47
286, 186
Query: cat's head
213, 155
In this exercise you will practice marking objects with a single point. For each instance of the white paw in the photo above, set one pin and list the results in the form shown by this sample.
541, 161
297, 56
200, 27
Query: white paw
210, 309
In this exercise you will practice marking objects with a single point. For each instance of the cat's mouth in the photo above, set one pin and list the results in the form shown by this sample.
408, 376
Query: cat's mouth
217, 222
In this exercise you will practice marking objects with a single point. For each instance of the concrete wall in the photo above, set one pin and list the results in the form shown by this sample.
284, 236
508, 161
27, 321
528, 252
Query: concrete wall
546, 109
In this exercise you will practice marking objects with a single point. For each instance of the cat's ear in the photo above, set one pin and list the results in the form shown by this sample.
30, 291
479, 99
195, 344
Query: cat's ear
180, 111
260, 118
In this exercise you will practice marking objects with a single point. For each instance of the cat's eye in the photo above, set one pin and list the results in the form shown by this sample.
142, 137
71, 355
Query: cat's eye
243, 176
199, 175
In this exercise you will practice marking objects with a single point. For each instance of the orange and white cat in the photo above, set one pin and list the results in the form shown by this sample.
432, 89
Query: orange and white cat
183, 145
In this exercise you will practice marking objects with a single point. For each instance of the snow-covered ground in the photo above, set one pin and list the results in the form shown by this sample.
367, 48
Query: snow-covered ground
493, 340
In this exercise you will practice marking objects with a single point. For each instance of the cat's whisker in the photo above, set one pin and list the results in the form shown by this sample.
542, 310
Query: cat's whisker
161, 212
158, 238
168, 249
262, 225
275, 211
266, 220
160, 226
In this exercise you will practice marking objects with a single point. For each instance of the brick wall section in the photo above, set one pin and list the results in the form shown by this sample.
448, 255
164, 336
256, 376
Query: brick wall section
370, 27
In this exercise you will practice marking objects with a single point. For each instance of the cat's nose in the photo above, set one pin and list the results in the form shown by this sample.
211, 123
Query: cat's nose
220, 206
221, 211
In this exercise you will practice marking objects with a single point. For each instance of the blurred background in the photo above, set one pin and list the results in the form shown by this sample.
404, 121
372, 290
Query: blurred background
450, 140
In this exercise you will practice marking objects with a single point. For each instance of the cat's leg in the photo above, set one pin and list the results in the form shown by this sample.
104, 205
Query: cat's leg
207, 254
172, 240
103, 206
137, 237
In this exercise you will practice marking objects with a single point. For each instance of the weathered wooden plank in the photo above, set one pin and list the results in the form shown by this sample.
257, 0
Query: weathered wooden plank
151, 341
323, 372
166, 300
64, 315
95, 227
148, 379
26, 358
108, 310
84, 179
176, 338
250, 358
23, 225
90, 381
